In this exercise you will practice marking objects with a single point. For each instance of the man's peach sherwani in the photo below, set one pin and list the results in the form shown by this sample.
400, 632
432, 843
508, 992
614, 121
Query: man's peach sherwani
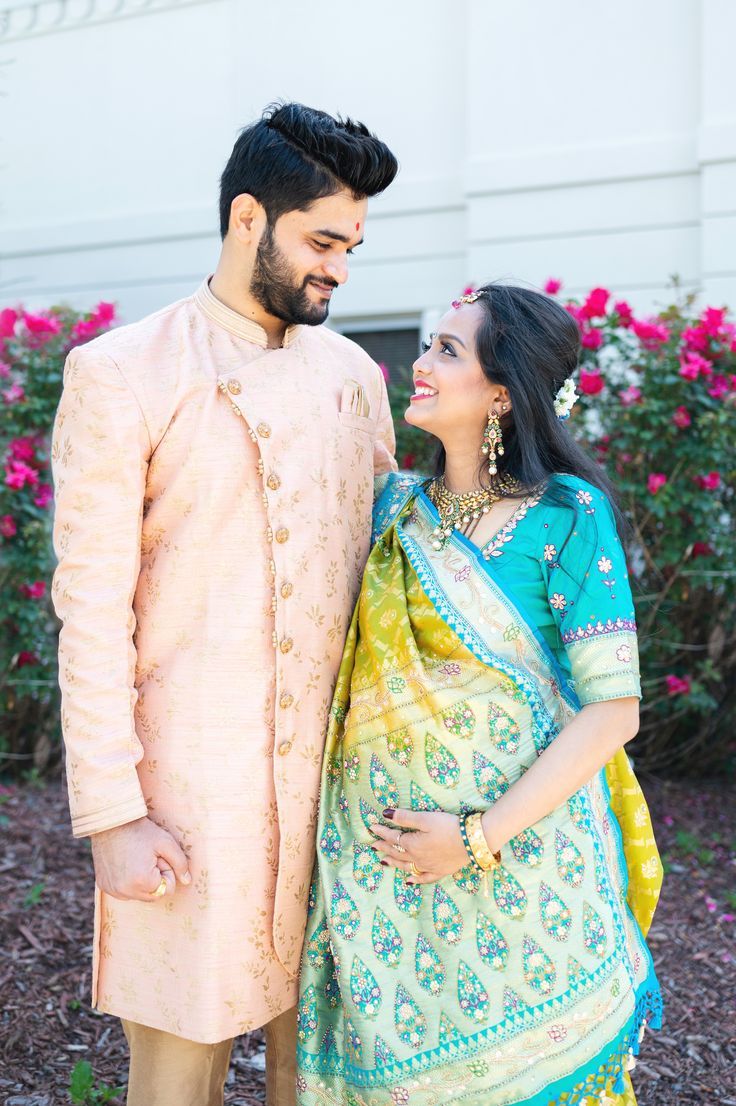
213, 519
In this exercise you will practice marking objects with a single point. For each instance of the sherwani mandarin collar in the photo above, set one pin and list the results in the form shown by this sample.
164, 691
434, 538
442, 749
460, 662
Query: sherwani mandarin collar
237, 324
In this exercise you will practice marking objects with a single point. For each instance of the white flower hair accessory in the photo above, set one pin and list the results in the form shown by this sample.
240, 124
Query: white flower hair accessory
565, 399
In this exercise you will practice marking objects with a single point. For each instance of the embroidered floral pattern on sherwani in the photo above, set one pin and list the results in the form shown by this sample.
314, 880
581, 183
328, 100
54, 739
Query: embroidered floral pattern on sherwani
450, 992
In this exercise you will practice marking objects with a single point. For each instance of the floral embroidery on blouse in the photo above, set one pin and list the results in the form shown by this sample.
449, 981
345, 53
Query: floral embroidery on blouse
594, 629
550, 552
585, 498
506, 533
558, 601
623, 653
605, 565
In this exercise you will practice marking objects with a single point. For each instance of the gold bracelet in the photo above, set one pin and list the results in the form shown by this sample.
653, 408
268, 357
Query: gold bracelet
480, 847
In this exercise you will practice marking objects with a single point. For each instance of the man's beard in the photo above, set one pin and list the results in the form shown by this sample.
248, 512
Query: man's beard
275, 286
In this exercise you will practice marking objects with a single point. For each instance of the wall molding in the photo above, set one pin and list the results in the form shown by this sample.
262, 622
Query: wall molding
45, 17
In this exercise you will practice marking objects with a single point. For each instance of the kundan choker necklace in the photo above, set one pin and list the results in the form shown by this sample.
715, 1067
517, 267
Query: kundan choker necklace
463, 510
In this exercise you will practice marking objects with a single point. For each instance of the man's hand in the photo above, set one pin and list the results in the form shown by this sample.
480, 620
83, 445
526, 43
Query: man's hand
131, 860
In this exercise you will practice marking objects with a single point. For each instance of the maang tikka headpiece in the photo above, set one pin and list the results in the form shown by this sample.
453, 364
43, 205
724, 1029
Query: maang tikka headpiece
469, 297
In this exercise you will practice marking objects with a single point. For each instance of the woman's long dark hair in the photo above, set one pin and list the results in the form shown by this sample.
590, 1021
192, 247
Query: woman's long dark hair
530, 344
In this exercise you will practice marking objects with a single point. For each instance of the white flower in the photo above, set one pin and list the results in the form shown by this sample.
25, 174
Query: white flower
558, 601
565, 398
605, 565
584, 498
623, 653
550, 552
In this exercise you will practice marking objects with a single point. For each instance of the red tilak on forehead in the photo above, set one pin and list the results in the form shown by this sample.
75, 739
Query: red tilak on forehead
357, 226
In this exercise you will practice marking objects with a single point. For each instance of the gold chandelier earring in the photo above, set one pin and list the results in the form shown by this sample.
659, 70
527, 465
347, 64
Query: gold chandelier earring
493, 440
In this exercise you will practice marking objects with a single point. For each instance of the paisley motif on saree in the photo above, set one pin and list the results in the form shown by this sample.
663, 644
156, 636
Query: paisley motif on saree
536, 994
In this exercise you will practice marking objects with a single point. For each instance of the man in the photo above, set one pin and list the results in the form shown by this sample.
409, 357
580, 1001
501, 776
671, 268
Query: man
214, 470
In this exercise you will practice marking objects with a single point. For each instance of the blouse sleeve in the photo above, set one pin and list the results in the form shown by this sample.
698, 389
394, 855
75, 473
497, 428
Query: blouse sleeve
590, 599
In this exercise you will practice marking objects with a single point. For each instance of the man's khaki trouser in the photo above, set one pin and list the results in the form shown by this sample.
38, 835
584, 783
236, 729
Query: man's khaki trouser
168, 1071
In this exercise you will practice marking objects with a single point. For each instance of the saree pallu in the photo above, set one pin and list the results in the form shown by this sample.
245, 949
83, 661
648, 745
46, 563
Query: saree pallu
535, 992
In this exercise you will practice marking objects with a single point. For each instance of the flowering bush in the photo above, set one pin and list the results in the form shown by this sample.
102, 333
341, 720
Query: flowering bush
657, 409
32, 352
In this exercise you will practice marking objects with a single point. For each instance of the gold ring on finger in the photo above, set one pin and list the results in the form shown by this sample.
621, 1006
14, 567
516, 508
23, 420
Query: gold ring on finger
415, 871
397, 843
160, 890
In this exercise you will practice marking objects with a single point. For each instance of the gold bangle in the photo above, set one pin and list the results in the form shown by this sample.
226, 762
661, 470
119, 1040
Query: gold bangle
480, 847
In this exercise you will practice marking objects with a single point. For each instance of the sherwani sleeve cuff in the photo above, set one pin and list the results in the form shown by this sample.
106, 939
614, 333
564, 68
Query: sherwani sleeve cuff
111, 815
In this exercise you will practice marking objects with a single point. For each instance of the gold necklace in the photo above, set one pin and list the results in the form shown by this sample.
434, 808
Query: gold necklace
463, 510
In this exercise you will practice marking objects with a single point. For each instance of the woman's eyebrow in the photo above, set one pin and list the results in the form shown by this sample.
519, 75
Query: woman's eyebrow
451, 338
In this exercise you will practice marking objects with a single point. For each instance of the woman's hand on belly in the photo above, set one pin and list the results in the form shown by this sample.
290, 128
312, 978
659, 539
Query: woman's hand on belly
429, 840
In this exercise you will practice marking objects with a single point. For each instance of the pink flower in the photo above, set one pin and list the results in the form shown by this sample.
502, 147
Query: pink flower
710, 904
682, 417
104, 313
630, 396
4, 371
655, 481
595, 304
720, 387
710, 481
727, 918
624, 312
409, 460
592, 339
385, 370
83, 330
8, 319
22, 449
677, 685
14, 394
712, 320
650, 333
693, 366
8, 527
45, 495
574, 310
36, 590
668, 820
702, 549
41, 324
552, 286
18, 474
591, 383
26, 658
695, 338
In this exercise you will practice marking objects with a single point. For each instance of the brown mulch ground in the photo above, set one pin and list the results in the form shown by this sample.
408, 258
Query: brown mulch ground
46, 1024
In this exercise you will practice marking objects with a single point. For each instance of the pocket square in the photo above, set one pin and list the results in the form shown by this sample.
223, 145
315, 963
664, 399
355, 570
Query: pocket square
354, 400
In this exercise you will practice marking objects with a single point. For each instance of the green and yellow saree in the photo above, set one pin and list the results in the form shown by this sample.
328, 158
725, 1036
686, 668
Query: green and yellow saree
460, 667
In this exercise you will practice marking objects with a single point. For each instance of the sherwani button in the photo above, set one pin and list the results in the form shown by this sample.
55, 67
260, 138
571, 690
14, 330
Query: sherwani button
284, 748
273, 482
282, 535
286, 645
286, 701
234, 387
286, 590
263, 430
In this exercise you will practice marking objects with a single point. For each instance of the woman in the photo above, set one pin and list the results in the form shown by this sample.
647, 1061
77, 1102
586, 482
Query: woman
470, 939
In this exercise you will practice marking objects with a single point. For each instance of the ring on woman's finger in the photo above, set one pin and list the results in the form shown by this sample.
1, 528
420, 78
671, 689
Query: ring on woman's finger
416, 871
160, 890
397, 843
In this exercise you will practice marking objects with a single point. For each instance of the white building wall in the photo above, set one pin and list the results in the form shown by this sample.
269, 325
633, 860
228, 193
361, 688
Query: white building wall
574, 139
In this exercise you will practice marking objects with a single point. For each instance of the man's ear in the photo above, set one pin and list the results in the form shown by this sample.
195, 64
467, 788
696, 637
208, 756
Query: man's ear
247, 218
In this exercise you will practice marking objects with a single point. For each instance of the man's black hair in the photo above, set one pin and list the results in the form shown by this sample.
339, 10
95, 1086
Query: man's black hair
294, 155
